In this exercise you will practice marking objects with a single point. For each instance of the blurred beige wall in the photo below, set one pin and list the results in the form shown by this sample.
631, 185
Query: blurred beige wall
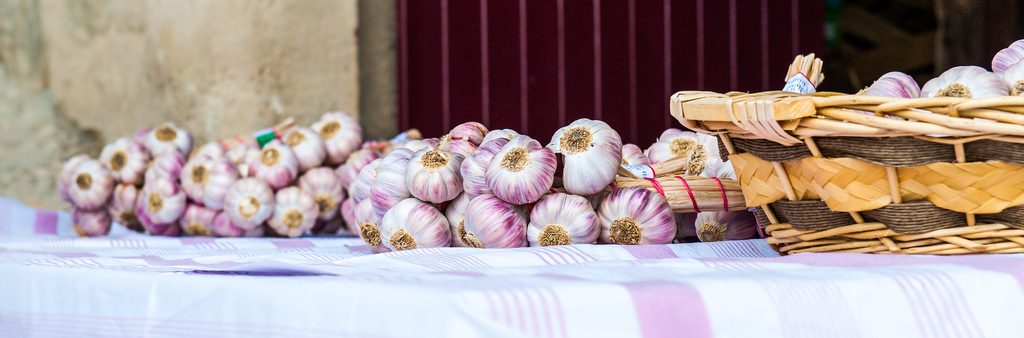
88, 72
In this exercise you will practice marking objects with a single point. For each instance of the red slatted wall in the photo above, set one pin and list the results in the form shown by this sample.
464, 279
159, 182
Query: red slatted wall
536, 65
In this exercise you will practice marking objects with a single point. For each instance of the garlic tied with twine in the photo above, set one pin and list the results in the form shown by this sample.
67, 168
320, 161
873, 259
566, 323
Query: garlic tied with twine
474, 168
1008, 56
562, 219
197, 220
592, 154
168, 137
493, 223
126, 160
161, 203
249, 202
308, 146
1014, 78
456, 215
433, 175
212, 150
635, 215
168, 166
360, 189
295, 211
967, 82
698, 149
894, 84
122, 207
367, 226
389, 185
325, 187
277, 165
90, 185
632, 155
222, 174
348, 172
521, 171
341, 135
90, 223
506, 134
66, 177
412, 224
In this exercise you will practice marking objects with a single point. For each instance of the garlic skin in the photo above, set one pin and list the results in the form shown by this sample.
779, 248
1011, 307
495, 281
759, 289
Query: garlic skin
194, 176
140, 136
461, 147
348, 172
237, 154
308, 146
222, 226
456, 215
1008, 56
521, 171
635, 215
367, 226
473, 132
212, 150
698, 149
90, 185
348, 214
295, 211
493, 223
277, 165
126, 160
153, 228
222, 174
417, 145
1013, 77
562, 219
197, 220
632, 155
360, 189
434, 175
895, 84
717, 168
474, 168
122, 206
249, 202
714, 226
66, 177
168, 137
592, 154
341, 135
596, 198
507, 134
389, 185
248, 162
325, 188
412, 224
965, 81
90, 223
162, 200
168, 166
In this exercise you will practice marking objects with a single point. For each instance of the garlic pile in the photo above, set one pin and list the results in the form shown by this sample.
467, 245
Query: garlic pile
222, 175
360, 189
308, 146
168, 138
126, 160
198, 220
210, 151
635, 215
562, 219
160, 204
277, 165
122, 206
168, 165
413, 224
249, 202
295, 211
474, 167
341, 135
521, 171
389, 185
325, 187
592, 153
434, 175
356, 161
493, 223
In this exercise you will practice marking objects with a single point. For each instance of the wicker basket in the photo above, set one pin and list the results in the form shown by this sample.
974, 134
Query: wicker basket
851, 173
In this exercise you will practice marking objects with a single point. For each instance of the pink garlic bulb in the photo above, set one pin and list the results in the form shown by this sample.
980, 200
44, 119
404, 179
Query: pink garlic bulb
168, 137
474, 168
90, 223
295, 211
277, 165
507, 134
66, 177
249, 202
966, 82
341, 135
224, 227
168, 166
126, 160
563, 219
493, 223
1008, 56
635, 215
461, 147
325, 187
360, 189
592, 153
197, 220
456, 215
698, 149
162, 200
417, 145
433, 175
367, 225
222, 174
348, 214
895, 84
90, 185
212, 150
632, 155
714, 226
473, 132
140, 136
122, 206
521, 171
389, 185
356, 161
308, 146
237, 153
258, 231
194, 176
412, 224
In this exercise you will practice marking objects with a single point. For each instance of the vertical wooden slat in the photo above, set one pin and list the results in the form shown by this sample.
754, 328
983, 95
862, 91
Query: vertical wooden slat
446, 96
615, 66
465, 62
652, 70
485, 76
424, 66
734, 77
666, 47
503, 65
780, 49
542, 44
561, 61
403, 64
716, 58
524, 92
749, 72
598, 73
579, 55
631, 17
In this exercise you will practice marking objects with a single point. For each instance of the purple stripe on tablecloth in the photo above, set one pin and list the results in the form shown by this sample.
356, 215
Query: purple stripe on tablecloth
291, 244
667, 309
650, 251
74, 254
46, 222
198, 240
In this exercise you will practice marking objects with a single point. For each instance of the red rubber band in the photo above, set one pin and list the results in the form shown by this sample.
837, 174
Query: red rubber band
688, 191
725, 200
657, 186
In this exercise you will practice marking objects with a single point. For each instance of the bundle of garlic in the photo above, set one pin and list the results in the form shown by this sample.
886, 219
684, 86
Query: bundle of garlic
210, 150
521, 171
168, 165
562, 219
493, 223
360, 189
412, 224
341, 135
636, 215
434, 175
389, 186
464, 138
592, 153
967, 82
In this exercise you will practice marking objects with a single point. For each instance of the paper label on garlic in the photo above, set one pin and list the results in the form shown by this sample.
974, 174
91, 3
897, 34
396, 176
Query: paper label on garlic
641, 171
799, 84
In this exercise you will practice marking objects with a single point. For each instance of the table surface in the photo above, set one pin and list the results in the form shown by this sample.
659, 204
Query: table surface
54, 284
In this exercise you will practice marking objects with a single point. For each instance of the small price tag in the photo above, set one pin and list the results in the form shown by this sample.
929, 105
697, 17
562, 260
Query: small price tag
641, 171
799, 83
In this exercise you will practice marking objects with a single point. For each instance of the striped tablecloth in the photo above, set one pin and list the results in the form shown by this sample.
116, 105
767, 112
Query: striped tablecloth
52, 284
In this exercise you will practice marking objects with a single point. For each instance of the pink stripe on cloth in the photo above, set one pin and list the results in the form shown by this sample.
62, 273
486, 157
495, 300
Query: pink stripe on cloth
46, 223
667, 309
288, 244
197, 240
650, 251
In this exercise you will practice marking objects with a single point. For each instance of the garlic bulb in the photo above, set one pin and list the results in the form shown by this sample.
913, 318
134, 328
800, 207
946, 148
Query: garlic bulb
417, 145
295, 211
714, 226
122, 206
521, 171
277, 165
140, 136
348, 172
434, 175
168, 166
1008, 56
249, 202
90, 223
248, 162
308, 146
237, 153
367, 226
461, 147
698, 149
592, 154
632, 155
895, 84
258, 231
1013, 77
163, 201
325, 187
635, 215
389, 186
154, 228
965, 81
212, 150
222, 174
168, 137
456, 215
197, 220
493, 223
412, 224
507, 134
223, 226
473, 132
474, 168
194, 176
126, 160
341, 135
717, 168
90, 185
562, 219
66, 177
348, 214
360, 189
